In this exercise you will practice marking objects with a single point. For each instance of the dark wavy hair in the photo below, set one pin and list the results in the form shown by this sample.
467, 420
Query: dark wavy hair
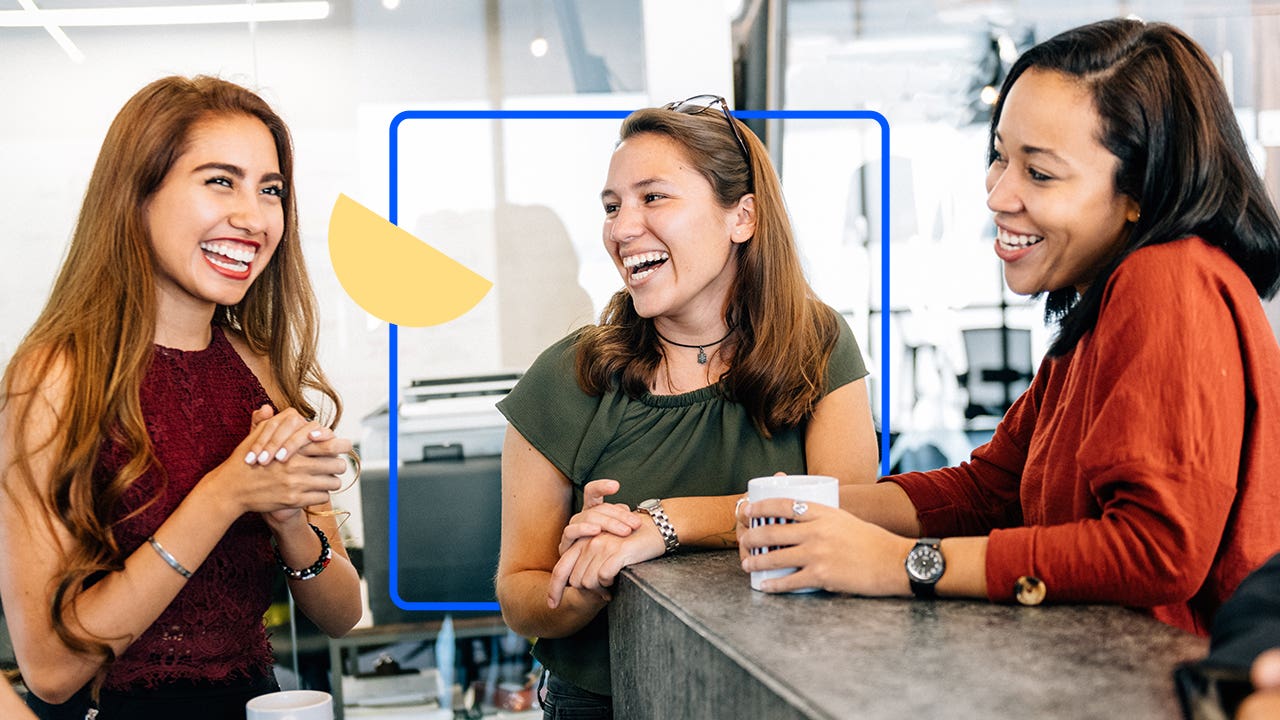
1165, 115
782, 336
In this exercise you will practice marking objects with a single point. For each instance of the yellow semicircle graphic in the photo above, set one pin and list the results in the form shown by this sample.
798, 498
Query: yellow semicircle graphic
395, 276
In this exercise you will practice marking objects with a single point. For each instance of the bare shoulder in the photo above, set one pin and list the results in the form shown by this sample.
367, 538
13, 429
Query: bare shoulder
258, 364
38, 388
44, 372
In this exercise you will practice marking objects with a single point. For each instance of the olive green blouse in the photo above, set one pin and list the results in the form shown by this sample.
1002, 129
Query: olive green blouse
655, 446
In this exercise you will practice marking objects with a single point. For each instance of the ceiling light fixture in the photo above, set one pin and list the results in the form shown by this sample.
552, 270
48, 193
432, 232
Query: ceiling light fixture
56, 33
165, 15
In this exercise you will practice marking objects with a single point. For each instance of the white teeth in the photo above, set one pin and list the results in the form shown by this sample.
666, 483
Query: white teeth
234, 251
1013, 242
633, 260
232, 266
642, 274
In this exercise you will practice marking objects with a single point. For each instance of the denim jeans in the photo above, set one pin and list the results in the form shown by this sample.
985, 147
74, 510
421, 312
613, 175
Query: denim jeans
565, 701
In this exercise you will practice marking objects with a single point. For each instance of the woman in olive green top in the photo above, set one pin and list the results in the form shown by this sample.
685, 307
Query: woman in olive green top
714, 364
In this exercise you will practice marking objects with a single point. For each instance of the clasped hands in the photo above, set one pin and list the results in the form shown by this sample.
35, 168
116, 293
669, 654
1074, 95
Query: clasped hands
285, 464
598, 542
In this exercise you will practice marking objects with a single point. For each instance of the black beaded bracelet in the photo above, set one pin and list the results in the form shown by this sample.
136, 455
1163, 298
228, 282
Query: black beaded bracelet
326, 554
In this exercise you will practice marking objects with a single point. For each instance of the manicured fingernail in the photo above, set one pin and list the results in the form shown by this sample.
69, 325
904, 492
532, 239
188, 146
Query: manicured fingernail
314, 434
263, 457
250, 458
282, 453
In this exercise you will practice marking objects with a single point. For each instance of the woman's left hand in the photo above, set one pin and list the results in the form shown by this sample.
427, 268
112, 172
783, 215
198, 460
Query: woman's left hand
592, 563
833, 550
598, 516
296, 437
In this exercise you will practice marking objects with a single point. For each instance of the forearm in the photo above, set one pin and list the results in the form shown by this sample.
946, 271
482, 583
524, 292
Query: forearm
966, 574
884, 504
887, 505
523, 597
331, 599
123, 604
703, 522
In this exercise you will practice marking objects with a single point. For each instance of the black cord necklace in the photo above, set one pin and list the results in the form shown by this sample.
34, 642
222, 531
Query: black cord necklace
702, 349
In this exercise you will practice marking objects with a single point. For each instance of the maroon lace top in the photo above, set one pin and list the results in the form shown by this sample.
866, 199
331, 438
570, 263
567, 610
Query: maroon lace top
197, 407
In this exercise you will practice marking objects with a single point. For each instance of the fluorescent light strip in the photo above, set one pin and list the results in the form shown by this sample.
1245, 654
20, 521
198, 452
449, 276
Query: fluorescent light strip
166, 15
56, 33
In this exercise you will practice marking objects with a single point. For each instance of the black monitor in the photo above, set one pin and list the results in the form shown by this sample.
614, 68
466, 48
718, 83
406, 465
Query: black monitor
450, 514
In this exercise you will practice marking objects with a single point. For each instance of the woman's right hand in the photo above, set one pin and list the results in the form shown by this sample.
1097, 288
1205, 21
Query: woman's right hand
597, 516
286, 463
1264, 702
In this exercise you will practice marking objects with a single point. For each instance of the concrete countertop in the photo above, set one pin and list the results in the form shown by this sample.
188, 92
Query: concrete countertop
689, 638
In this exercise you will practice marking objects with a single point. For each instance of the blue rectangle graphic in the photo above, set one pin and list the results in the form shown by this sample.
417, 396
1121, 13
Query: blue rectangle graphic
393, 330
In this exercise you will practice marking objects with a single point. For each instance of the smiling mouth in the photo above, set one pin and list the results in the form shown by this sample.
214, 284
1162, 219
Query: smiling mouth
1011, 241
642, 265
233, 257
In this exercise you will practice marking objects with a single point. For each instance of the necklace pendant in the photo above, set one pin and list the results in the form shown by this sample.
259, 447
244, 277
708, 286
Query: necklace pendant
702, 356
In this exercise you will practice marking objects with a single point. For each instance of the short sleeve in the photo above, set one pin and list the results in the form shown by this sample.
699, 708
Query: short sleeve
549, 409
846, 364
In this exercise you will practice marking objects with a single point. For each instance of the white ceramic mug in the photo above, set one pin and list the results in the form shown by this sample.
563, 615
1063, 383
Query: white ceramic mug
291, 705
820, 489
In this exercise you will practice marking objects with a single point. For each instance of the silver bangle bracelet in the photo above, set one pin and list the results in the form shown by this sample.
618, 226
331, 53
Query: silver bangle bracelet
171, 560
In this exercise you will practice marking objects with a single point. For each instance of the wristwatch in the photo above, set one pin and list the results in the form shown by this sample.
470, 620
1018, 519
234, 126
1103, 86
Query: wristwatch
653, 508
925, 566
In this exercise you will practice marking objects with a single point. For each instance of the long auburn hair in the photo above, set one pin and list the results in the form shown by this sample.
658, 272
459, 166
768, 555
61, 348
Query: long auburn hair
1165, 115
101, 341
781, 335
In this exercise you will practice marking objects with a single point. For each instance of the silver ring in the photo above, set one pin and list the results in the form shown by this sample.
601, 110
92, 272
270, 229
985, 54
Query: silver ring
799, 507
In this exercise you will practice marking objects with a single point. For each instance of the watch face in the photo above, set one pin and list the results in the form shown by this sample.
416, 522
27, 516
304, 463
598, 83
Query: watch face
925, 564
649, 504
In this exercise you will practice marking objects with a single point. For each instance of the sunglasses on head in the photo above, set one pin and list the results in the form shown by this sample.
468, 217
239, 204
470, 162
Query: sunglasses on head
699, 104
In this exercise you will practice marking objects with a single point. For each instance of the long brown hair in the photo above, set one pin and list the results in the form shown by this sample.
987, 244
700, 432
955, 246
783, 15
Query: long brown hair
98, 327
781, 335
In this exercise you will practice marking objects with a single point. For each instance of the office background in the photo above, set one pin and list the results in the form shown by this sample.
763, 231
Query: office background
517, 200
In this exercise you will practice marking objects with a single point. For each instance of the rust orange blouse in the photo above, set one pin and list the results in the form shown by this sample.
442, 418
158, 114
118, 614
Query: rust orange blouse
1143, 467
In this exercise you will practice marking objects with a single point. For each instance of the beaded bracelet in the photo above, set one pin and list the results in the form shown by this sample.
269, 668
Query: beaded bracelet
326, 554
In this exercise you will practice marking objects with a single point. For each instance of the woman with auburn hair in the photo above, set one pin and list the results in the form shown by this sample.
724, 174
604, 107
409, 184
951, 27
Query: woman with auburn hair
1140, 466
156, 438
713, 365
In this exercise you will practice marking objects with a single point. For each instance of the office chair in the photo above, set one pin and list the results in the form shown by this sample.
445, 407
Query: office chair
999, 369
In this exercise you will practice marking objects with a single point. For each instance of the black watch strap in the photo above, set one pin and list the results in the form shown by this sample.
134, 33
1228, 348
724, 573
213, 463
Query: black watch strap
924, 590
925, 566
